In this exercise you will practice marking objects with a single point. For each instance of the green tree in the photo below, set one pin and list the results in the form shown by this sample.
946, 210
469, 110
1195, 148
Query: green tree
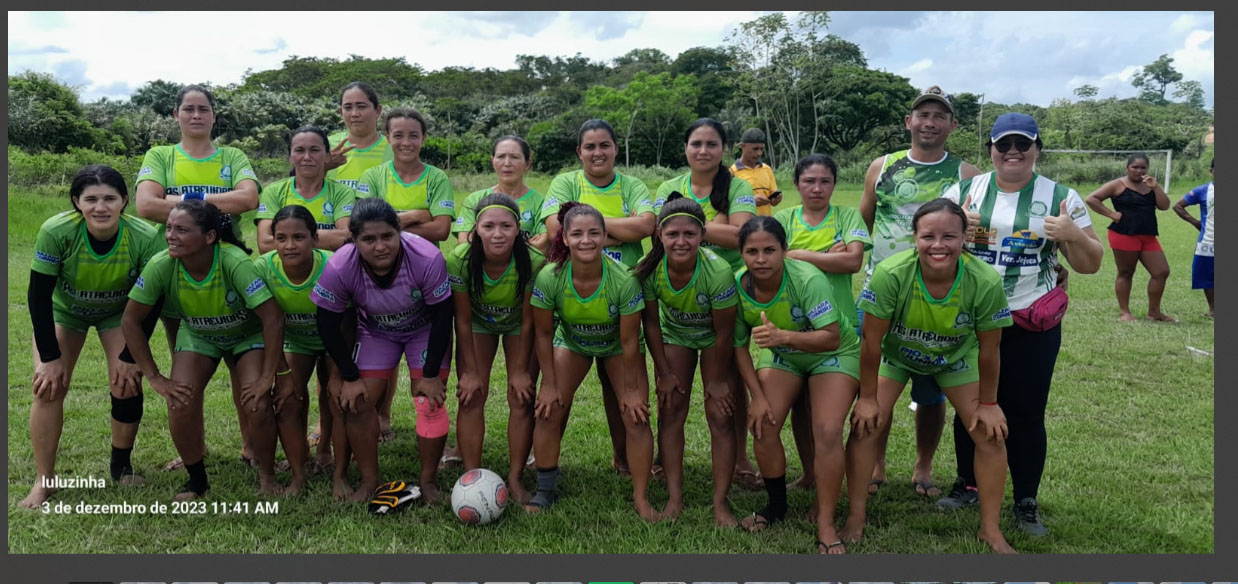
1155, 78
653, 107
712, 66
1190, 93
1086, 91
44, 114
855, 101
158, 95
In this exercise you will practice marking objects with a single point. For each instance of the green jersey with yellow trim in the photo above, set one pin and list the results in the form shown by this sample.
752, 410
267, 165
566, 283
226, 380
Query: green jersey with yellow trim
740, 198
358, 160
429, 192
300, 313
904, 185
501, 306
804, 302
929, 334
686, 315
840, 224
218, 308
588, 326
530, 205
332, 203
626, 196
179, 173
90, 286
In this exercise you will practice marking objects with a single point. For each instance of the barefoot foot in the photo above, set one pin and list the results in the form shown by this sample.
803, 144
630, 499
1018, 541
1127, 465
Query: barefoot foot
723, 516
1126, 317
647, 512
673, 510
517, 491
996, 541
430, 493
853, 530
364, 492
38, 495
340, 489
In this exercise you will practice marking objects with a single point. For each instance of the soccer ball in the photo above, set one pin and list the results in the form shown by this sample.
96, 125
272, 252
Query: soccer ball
479, 497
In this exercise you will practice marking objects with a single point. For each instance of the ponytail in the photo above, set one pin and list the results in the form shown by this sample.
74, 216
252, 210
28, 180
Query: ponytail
676, 204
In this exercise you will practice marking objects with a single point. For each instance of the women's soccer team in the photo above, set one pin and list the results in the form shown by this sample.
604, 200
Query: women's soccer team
350, 281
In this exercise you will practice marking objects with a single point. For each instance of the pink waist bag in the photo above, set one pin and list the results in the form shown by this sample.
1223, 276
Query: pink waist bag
1045, 313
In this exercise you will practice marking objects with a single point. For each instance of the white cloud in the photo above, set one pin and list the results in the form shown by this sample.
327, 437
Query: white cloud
918, 66
1195, 60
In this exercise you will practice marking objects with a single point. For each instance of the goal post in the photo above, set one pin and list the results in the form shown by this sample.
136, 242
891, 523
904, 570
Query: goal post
1154, 168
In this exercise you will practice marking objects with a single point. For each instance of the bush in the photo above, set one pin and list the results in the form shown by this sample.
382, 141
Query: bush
50, 169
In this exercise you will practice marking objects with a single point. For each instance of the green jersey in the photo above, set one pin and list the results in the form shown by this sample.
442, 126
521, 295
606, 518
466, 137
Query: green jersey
530, 205
217, 308
740, 198
588, 326
179, 173
429, 192
499, 309
358, 160
332, 203
686, 315
904, 185
928, 334
804, 302
91, 287
626, 196
840, 224
300, 314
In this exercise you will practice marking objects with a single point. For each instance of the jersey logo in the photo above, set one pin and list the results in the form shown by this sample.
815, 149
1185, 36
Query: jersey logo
141, 283
1037, 209
262, 207
249, 173
231, 297
797, 313
729, 292
957, 366
526, 216
820, 309
225, 172
363, 188
982, 236
613, 254
1078, 212
831, 362
321, 291
145, 171
538, 294
255, 286
963, 320
447, 204
640, 296
415, 293
46, 257
460, 220
746, 200
328, 208
859, 233
702, 299
346, 208
454, 279
1023, 240
1002, 314
550, 202
133, 272
613, 310
442, 289
868, 295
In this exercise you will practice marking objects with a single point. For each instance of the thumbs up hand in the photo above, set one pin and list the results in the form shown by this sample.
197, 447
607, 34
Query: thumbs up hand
767, 335
973, 218
1061, 228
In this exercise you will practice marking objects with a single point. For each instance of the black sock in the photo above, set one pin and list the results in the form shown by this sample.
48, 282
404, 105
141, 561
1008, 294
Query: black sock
120, 462
547, 480
776, 488
197, 478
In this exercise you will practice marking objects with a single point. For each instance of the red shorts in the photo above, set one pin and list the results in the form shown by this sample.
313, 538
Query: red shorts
1133, 242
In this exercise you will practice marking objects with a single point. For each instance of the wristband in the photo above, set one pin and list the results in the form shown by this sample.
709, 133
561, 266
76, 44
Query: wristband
988, 403
192, 195
284, 372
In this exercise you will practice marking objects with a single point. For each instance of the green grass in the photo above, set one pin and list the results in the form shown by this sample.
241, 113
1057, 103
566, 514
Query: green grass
1130, 466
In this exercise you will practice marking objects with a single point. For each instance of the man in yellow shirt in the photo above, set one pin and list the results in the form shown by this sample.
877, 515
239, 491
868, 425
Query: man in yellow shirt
761, 176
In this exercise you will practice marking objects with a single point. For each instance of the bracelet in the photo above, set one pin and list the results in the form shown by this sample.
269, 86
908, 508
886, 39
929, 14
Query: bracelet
988, 403
284, 372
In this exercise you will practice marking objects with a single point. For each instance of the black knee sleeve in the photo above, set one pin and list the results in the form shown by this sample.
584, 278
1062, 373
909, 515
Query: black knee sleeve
127, 410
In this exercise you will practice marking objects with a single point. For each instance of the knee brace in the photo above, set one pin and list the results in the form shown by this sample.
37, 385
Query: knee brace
431, 422
127, 410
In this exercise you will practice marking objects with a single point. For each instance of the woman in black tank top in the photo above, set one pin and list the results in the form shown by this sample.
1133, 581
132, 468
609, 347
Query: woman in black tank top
1132, 235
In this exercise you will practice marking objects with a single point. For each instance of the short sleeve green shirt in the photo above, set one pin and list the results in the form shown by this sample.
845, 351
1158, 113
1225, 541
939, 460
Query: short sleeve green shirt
429, 192
500, 308
92, 287
589, 325
686, 315
358, 160
626, 196
333, 203
740, 198
530, 206
179, 173
928, 334
840, 224
218, 308
300, 314
804, 302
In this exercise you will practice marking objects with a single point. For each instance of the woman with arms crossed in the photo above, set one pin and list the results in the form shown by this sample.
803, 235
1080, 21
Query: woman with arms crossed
85, 262
398, 281
597, 303
492, 280
934, 310
792, 313
689, 312
227, 312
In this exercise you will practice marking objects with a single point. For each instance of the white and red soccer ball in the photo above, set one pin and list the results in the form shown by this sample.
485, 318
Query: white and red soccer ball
479, 496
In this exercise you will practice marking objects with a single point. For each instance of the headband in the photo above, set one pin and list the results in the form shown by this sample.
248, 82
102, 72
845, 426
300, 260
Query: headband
503, 207
680, 214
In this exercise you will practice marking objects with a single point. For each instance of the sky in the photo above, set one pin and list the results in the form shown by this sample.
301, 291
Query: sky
1010, 57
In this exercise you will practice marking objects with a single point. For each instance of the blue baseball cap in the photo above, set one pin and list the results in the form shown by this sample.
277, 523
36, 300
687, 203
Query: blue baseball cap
1014, 123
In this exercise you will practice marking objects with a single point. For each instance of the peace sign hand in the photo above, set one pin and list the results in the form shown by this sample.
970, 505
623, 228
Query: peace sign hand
336, 158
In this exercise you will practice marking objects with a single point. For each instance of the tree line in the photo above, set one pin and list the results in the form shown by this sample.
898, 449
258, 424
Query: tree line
809, 90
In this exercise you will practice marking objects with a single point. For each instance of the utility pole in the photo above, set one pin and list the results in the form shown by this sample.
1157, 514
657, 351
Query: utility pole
980, 131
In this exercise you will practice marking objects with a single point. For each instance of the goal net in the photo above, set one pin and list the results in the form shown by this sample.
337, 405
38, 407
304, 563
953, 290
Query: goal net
1078, 168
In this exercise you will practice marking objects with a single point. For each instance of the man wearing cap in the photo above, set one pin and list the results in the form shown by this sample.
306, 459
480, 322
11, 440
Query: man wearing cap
1018, 221
894, 188
758, 174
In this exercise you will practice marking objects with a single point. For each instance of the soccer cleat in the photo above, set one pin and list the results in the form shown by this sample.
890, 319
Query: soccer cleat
960, 496
392, 497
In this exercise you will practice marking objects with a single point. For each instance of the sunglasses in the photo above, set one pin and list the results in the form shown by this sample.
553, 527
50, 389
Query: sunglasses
1020, 144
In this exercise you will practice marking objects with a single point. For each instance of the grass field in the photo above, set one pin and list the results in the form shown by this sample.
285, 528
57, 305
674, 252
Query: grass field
1130, 466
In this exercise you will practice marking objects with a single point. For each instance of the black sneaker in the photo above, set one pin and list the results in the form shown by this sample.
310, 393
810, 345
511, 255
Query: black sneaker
1027, 514
960, 496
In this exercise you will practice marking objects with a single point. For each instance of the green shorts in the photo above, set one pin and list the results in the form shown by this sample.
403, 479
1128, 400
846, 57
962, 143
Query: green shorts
187, 340
481, 327
809, 364
961, 372
82, 324
612, 349
697, 344
303, 346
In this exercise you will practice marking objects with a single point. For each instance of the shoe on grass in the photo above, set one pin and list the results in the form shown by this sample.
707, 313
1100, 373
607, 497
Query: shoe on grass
1027, 514
960, 496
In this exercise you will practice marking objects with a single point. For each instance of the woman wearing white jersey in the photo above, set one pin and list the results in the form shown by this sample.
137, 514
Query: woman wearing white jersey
1017, 223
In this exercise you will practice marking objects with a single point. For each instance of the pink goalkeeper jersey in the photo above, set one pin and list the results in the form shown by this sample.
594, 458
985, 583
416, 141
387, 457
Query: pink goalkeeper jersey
397, 312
